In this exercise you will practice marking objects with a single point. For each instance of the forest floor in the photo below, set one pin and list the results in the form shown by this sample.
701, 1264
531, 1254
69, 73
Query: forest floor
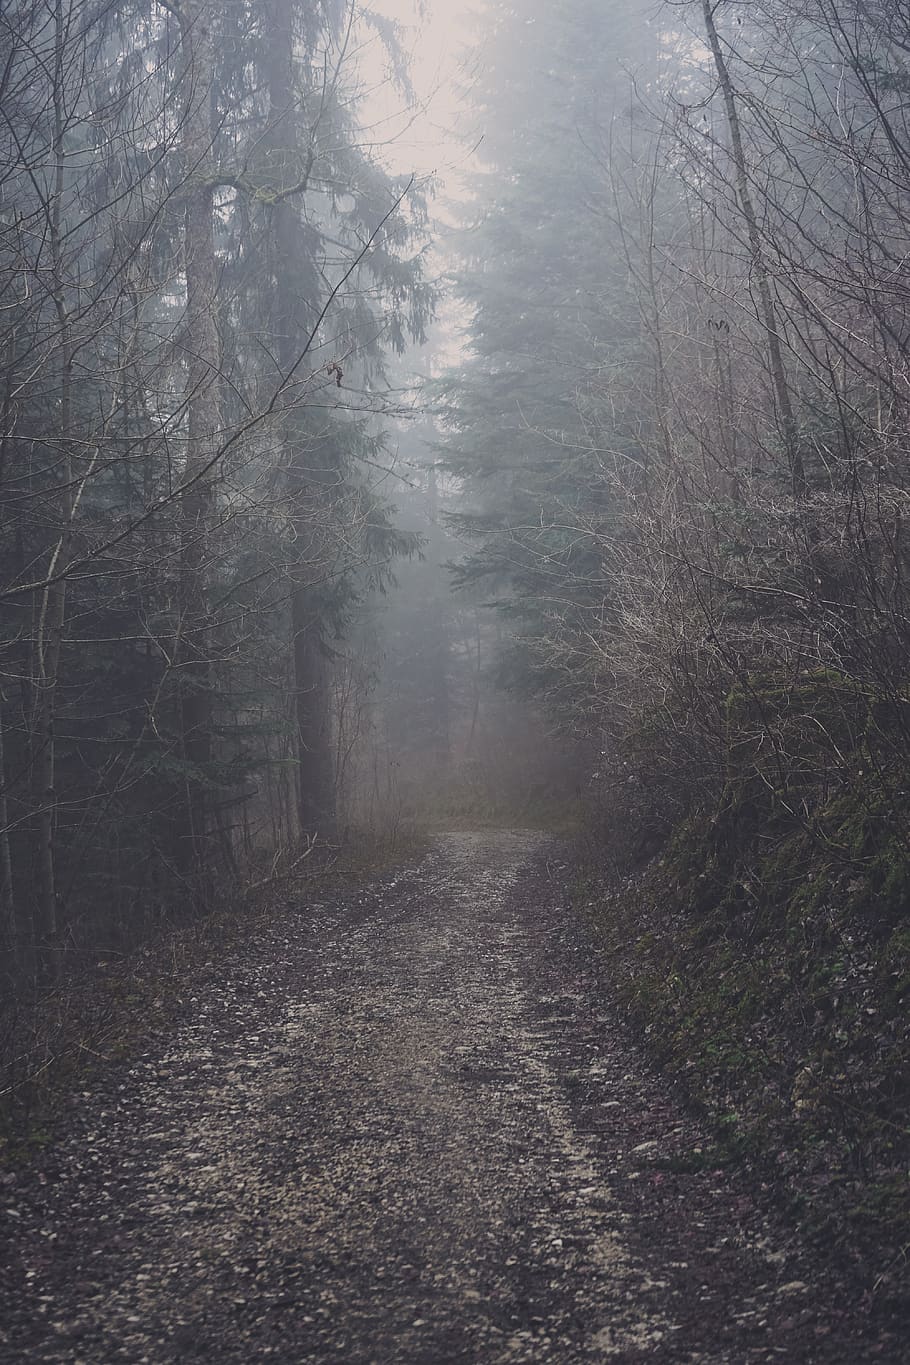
404, 1124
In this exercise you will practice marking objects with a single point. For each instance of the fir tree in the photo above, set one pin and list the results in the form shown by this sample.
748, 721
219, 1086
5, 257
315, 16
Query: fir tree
536, 416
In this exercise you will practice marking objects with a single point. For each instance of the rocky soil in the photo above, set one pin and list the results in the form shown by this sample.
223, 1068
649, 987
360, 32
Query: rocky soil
404, 1125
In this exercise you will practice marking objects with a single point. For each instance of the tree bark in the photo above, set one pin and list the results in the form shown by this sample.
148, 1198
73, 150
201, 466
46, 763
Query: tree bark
308, 487
50, 608
316, 798
203, 424
7, 898
438, 649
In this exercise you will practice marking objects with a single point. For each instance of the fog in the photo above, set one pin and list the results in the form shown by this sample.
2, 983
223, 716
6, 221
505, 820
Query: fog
454, 680
416, 414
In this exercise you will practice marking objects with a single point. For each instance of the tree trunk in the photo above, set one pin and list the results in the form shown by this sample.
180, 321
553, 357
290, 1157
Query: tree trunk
50, 612
316, 803
438, 649
202, 352
7, 899
308, 488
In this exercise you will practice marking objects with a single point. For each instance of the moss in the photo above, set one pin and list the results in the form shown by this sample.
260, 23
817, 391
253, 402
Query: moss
766, 958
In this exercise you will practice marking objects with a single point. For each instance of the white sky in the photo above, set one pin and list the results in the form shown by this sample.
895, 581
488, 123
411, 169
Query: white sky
432, 138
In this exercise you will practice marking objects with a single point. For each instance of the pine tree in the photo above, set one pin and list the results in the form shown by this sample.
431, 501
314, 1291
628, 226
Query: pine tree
321, 237
202, 272
536, 413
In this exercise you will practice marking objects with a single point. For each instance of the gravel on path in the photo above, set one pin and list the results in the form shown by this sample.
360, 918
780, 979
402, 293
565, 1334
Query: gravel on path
403, 1125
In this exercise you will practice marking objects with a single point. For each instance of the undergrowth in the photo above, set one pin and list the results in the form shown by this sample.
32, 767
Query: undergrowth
764, 958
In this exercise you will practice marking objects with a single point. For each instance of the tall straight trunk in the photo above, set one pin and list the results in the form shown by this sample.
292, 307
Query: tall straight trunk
769, 318
49, 632
203, 424
316, 796
50, 606
7, 901
308, 487
438, 647
7, 894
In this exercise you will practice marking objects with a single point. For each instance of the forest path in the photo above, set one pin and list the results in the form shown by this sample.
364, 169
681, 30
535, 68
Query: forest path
403, 1127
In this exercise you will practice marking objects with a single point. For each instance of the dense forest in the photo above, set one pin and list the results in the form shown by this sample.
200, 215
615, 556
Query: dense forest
337, 502
205, 277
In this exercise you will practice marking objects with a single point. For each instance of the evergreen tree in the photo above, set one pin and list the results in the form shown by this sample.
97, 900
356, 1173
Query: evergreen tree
202, 271
536, 413
321, 236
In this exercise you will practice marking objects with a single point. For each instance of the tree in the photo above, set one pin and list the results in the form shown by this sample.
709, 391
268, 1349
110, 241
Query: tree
331, 270
182, 471
553, 393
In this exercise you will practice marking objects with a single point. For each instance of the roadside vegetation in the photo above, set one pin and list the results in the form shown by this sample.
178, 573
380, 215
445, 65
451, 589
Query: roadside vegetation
682, 434
763, 961
314, 540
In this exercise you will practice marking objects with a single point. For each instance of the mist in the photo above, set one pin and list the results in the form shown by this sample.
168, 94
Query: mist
431, 422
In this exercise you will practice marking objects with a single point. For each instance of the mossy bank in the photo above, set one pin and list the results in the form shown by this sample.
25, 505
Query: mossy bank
763, 956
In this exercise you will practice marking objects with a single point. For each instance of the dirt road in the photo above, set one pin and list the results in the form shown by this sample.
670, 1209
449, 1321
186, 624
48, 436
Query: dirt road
404, 1127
